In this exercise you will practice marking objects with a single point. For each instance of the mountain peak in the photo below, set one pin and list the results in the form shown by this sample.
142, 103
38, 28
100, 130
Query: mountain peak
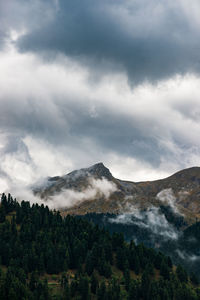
99, 165
100, 170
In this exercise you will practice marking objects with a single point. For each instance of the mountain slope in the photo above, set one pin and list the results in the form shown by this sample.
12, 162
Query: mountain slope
181, 192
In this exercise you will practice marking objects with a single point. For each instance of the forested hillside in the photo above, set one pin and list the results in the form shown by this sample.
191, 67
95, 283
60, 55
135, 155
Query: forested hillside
183, 246
45, 256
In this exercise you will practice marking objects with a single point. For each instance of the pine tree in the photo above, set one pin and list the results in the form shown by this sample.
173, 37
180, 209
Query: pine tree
127, 278
121, 258
133, 291
164, 270
33, 281
145, 285
2, 214
83, 287
89, 265
66, 292
101, 292
194, 279
181, 274
94, 283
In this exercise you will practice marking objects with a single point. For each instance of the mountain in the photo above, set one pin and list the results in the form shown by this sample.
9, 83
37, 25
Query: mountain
162, 214
76, 180
180, 192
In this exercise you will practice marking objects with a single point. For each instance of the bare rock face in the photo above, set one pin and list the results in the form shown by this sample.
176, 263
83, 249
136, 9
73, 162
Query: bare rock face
99, 171
181, 192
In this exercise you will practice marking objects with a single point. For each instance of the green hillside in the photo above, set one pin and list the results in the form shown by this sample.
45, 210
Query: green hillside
45, 256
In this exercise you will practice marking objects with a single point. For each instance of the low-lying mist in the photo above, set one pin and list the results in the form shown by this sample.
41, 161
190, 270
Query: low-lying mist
68, 197
151, 219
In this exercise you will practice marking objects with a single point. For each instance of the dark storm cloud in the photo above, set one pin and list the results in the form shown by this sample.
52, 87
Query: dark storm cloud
60, 119
150, 40
19, 16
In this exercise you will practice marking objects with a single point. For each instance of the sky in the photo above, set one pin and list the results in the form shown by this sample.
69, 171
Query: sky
87, 81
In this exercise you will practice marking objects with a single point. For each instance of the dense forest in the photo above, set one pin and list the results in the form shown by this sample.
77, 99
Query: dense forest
184, 250
45, 256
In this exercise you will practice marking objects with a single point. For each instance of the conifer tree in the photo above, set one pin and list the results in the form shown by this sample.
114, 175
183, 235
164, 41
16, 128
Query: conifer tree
2, 214
94, 283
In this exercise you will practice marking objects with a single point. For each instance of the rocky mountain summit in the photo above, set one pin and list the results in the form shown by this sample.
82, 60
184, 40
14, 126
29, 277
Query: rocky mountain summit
181, 192
76, 180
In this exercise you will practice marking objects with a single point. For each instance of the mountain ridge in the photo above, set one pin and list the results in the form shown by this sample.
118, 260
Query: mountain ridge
180, 190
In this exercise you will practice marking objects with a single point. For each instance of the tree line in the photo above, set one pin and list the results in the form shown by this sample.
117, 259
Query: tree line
36, 242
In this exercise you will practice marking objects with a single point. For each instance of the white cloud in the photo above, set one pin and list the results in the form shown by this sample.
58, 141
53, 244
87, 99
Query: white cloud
187, 256
150, 219
140, 133
96, 188
68, 197
167, 196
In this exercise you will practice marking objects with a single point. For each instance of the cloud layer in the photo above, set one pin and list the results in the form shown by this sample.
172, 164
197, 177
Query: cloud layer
88, 81
96, 188
151, 219
67, 197
145, 38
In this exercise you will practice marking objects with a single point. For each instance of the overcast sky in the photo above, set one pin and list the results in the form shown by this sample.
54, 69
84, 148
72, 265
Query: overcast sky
84, 81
